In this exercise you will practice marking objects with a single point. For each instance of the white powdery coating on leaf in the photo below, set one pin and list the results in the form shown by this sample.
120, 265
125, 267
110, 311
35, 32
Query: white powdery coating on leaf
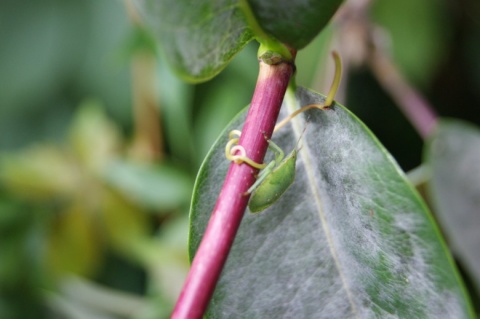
353, 181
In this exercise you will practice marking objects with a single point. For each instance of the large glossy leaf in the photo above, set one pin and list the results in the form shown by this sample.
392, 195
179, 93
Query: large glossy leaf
295, 23
453, 155
349, 239
198, 37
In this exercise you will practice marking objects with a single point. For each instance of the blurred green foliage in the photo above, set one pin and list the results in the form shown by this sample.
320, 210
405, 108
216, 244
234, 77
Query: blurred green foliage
76, 200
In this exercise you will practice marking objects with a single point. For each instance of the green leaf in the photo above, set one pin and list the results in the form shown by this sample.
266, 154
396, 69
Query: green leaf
453, 155
39, 172
175, 104
159, 187
94, 138
295, 23
125, 225
74, 245
350, 238
198, 37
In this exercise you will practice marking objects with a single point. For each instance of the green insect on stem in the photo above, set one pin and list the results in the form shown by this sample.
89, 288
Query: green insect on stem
270, 166
272, 182
274, 179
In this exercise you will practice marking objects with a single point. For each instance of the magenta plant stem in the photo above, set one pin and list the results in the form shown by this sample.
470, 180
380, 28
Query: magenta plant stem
413, 105
207, 265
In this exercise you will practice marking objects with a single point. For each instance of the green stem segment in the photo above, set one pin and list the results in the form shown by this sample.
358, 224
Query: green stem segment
271, 51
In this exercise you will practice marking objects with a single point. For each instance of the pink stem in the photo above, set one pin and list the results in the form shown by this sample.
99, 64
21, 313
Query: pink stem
413, 105
207, 265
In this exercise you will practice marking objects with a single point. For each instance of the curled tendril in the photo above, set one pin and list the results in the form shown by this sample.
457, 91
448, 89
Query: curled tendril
231, 148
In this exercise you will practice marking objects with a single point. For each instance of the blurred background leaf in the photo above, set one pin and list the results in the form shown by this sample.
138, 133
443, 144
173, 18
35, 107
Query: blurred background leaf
158, 187
454, 188
54, 54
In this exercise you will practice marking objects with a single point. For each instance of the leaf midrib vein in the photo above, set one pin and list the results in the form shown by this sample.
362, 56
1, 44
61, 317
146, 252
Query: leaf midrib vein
308, 163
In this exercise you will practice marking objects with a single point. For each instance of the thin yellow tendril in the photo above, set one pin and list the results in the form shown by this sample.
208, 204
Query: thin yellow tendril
328, 101
241, 158
336, 79
228, 152
234, 133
